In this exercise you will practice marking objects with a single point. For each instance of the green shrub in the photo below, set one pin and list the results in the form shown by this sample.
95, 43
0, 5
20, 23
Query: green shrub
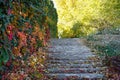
110, 30
111, 49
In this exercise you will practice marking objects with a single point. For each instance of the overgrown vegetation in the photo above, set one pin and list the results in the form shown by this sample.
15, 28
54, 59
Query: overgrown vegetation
52, 19
106, 43
24, 29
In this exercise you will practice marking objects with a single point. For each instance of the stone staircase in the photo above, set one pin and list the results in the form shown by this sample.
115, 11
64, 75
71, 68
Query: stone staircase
70, 59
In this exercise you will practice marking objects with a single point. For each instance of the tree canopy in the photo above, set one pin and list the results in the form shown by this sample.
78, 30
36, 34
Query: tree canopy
87, 16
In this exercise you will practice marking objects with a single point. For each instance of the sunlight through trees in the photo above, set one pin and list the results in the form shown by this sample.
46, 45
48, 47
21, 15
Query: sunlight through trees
87, 16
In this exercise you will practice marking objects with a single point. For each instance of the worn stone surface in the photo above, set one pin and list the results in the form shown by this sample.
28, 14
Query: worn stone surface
70, 59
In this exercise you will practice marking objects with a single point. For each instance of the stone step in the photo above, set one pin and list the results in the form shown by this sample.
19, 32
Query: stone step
70, 58
77, 61
74, 70
65, 44
73, 41
65, 56
73, 65
68, 48
71, 53
70, 63
80, 76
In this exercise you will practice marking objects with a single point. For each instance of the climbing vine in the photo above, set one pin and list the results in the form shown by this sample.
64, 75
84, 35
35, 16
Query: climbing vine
24, 30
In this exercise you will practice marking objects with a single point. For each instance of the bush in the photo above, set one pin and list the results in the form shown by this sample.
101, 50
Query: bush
110, 30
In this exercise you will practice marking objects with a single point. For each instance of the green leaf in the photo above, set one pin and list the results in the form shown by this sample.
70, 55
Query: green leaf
10, 52
4, 57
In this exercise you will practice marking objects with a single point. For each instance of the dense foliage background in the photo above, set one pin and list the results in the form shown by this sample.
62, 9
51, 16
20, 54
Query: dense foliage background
25, 27
83, 17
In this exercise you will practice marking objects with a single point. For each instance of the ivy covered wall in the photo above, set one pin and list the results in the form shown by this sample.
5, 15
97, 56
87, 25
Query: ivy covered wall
25, 27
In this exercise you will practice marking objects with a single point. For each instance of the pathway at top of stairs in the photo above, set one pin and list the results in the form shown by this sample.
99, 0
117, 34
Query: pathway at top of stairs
70, 59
